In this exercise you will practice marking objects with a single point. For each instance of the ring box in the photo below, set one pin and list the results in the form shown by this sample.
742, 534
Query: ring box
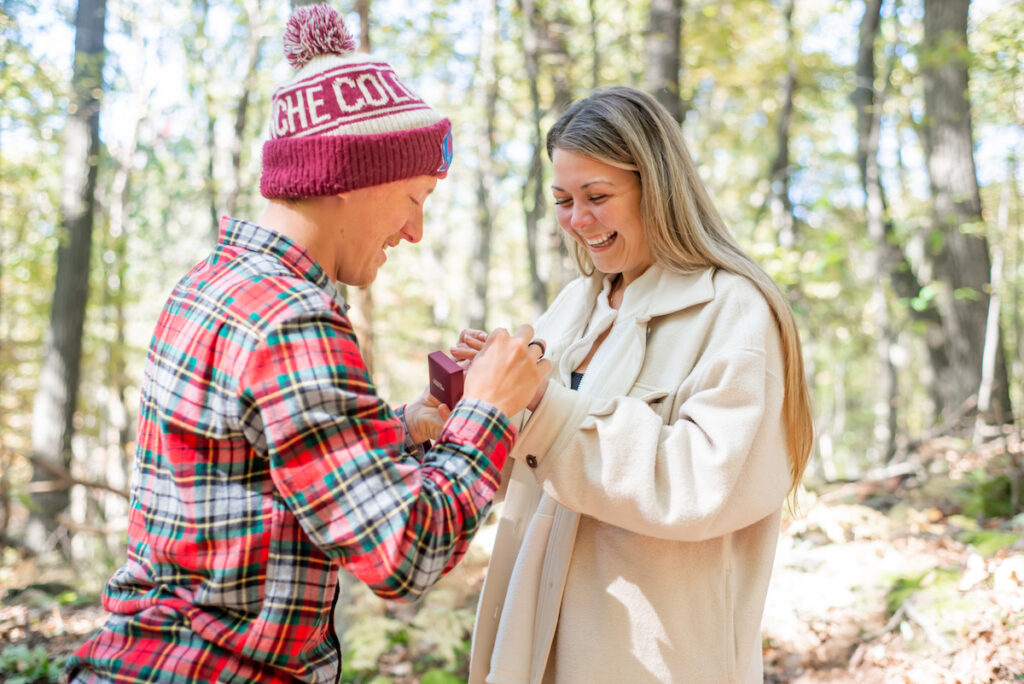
446, 378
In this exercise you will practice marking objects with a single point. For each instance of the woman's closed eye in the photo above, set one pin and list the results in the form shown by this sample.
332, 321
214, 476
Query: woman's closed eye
595, 199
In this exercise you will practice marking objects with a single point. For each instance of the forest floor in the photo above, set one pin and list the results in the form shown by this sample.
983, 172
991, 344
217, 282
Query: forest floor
913, 578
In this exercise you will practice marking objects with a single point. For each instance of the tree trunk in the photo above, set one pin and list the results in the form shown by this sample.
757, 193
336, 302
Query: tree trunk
782, 206
553, 48
199, 90
664, 54
1016, 302
363, 10
118, 412
595, 48
992, 338
117, 382
868, 108
57, 395
5, 458
962, 262
211, 179
533, 189
554, 51
255, 21
901, 274
486, 86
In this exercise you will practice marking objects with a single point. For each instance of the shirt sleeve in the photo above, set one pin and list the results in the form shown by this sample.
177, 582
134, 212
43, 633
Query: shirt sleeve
340, 459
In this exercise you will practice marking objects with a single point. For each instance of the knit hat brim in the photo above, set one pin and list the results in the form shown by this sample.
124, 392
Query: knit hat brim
316, 166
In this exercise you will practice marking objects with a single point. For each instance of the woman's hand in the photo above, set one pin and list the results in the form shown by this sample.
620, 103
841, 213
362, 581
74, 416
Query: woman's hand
425, 417
469, 345
538, 395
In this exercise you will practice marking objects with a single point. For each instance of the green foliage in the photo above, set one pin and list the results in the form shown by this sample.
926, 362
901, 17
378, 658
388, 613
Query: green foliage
988, 542
436, 639
436, 676
939, 582
23, 665
987, 496
997, 79
32, 105
902, 588
432, 634
442, 631
368, 639
966, 294
924, 298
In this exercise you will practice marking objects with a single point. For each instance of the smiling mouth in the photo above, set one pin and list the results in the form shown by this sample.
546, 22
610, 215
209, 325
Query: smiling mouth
600, 241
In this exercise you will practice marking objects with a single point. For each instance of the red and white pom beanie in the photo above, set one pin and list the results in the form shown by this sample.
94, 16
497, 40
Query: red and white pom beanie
345, 121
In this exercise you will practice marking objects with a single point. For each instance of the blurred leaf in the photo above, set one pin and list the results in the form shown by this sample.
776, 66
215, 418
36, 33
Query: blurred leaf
966, 294
367, 640
436, 676
989, 542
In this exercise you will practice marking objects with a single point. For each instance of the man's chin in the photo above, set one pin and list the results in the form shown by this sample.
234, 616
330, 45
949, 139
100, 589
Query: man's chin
363, 281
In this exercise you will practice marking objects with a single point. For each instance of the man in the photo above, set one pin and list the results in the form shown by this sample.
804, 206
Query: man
266, 461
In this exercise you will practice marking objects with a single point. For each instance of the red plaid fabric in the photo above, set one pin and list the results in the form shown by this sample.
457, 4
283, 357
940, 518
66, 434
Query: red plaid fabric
266, 462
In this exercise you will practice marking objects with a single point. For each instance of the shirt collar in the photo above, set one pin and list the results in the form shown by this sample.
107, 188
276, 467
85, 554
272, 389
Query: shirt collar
256, 238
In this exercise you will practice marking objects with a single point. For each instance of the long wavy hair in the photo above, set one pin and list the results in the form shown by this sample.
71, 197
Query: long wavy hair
628, 129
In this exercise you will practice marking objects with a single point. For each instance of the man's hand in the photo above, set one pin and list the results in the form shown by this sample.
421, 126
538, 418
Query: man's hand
425, 417
506, 372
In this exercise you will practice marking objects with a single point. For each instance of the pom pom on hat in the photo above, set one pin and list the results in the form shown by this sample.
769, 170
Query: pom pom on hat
315, 30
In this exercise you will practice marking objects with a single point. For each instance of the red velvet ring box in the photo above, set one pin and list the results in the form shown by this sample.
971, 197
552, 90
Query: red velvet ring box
446, 378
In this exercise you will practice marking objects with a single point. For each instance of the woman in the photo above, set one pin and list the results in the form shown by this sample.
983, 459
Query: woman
643, 507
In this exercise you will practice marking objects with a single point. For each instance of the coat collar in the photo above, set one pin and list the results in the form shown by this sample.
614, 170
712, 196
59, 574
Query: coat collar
658, 291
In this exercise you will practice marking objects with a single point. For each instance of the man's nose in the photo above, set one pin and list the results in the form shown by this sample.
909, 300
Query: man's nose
413, 230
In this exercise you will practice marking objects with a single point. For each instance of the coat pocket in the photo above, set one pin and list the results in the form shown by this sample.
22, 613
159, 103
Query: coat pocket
654, 397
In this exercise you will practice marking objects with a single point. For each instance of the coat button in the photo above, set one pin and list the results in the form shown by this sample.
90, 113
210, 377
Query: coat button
531, 461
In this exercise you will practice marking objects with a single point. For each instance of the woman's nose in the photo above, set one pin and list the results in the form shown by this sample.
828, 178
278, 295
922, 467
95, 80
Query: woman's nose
581, 216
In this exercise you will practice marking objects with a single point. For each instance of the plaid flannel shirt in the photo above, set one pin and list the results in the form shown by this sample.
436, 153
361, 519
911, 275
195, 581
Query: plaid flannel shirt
265, 463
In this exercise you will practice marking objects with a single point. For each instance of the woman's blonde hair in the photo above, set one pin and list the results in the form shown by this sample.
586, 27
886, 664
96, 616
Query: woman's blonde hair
629, 129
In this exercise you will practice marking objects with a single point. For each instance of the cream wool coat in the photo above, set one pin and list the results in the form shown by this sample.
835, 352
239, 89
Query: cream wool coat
641, 514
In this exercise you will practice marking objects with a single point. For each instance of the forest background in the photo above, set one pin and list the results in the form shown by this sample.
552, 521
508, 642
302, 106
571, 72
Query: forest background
868, 154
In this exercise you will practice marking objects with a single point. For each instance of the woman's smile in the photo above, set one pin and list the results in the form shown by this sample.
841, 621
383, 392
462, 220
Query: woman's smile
600, 242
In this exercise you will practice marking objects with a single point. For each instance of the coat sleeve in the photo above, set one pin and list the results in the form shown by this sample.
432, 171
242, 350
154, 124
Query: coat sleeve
338, 457
717, 467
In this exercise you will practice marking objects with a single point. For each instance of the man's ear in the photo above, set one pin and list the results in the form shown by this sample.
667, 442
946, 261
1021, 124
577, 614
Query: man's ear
334, 203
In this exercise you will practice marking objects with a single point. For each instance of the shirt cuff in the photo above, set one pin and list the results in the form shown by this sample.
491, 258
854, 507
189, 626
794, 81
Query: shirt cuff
418, 450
